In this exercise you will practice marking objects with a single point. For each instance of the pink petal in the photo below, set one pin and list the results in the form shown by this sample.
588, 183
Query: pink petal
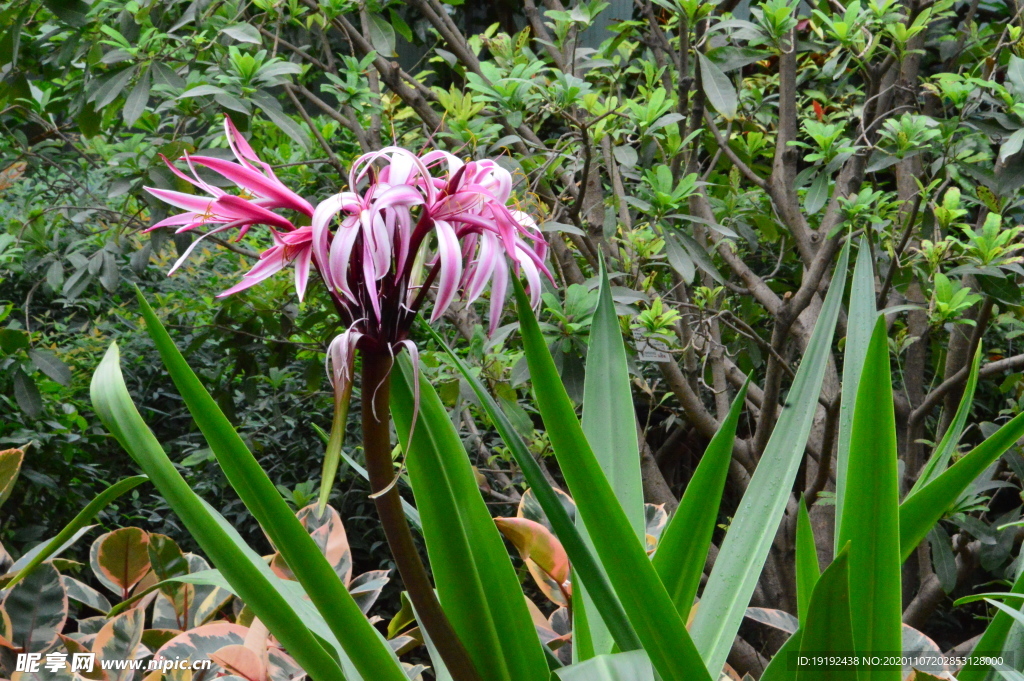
195, 181
301, 264
499, 285
414, 357
190, 220
324, 214
487, 258
450, 257
196, 204
237, 207
239, 146
249, 179
532, 276
340, 256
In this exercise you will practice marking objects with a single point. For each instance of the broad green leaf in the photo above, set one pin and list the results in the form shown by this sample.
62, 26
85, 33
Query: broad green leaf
120, 559
623, 556
756, 521
244, 33
829, 624
109, 89
38, 609
135, 103
260, 496
609, 424
382, 35
475, 580
50, 364
871, 512
817, 193
718, 88
10, 466
272, 108
76, 528
26, 394
631, 666
992, 641
920, 512
584, 564
807, 568
860, 321
166, 557
247, 576
684, 544
939, 460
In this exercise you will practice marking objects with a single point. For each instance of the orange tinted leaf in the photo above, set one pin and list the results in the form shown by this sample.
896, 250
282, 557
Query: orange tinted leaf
120, 559
198, 643
543, 554
73, 647
10, 174
536, 542
241, 661
329, 533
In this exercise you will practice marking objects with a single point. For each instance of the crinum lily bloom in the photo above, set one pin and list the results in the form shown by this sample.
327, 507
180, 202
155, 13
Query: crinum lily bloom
380, 250
406, 226
220, 211
406, 223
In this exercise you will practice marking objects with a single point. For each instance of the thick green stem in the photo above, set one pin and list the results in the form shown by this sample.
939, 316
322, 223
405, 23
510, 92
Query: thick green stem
377, 446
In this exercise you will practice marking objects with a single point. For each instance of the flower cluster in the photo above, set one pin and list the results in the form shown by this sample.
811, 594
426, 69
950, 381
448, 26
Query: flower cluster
408, 224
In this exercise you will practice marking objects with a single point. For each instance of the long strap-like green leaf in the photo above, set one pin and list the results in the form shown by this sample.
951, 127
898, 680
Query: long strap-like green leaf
643, 596
939, 459
870, 521
808, 570
584, 565
829, 625
859, 323
609, 423
920, 511
756, 521
992, 641
114, 406
476, 583
77, 523
372, 658
684, 544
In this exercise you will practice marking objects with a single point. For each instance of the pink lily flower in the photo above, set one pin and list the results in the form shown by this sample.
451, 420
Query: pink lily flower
263, 192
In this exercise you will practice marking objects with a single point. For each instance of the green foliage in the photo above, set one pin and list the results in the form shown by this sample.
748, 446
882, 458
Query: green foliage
710, 225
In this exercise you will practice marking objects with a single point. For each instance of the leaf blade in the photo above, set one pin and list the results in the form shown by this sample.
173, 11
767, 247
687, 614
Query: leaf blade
585, 566
609, 422
718, 88
115, 409
753, 529
475, 580
859, 324
871, 512
685, 542
643, 596
263, 500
